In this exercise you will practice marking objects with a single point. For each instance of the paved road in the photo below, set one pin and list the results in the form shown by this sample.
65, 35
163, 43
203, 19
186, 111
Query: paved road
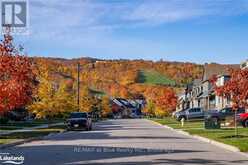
133, 141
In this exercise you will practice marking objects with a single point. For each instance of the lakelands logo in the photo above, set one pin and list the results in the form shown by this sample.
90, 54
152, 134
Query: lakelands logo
7, 158
14, 16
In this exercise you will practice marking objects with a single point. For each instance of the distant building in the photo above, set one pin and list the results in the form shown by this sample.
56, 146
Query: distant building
244, 65
125, 108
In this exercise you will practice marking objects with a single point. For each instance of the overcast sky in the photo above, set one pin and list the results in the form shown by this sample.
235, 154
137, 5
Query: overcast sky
176, 30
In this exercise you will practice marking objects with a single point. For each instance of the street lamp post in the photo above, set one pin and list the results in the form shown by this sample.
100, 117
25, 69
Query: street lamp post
78, 83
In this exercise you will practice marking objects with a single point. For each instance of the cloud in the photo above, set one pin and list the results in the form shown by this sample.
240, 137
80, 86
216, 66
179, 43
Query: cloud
94, 23
159, 12
83, 16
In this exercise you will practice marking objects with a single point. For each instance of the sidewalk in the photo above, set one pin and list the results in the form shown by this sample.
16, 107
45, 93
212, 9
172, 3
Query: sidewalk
228, 147
29, 129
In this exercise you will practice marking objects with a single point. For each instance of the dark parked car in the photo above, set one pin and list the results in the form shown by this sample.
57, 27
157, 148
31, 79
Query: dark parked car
79, 120
191, 113
223, 113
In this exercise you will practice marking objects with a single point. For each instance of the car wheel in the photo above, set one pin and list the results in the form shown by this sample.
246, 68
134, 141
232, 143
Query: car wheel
245, 123
215, 119
182, 117
87, 128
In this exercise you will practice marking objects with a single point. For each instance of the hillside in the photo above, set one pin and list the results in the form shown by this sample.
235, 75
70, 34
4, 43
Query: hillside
122, 78
154, 78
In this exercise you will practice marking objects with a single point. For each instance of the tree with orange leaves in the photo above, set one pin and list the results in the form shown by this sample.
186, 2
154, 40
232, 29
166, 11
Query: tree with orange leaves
16, 77
166, 103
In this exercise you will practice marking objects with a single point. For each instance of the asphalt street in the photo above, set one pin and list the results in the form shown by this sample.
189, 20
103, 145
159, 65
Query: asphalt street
124, 142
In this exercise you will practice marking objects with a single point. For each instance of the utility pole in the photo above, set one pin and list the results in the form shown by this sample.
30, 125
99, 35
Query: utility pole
78, 86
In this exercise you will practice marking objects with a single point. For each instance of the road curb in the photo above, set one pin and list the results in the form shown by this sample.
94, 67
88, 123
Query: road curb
206, 140
216, 143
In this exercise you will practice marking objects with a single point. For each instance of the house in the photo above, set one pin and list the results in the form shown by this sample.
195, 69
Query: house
244, 65
187, 99
181, 102
221, 102
196, 91
200, 92
124, 108
210, 100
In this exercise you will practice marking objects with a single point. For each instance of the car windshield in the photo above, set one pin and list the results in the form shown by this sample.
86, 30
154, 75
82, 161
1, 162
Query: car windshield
241, 110
226, 110
78, 115
230, 110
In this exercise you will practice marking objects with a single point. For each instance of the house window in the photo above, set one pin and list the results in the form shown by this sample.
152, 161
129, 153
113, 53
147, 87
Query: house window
228, 100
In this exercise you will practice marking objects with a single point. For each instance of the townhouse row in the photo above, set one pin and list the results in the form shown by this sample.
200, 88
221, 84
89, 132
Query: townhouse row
200, 92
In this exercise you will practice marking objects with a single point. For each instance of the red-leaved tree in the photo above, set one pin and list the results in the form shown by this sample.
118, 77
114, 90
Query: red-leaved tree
16, 77
236, 88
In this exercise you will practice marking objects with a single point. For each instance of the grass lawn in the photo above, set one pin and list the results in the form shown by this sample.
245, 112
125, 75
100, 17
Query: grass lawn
177, 125
20, 124
224, 135
4, 139
9, 128
154, 78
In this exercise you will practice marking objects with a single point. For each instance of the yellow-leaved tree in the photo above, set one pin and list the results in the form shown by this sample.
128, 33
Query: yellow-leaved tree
87, 100
52, 98
105, 106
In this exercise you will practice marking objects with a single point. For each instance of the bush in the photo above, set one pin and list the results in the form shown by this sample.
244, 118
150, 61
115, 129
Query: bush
159, 112
4, 120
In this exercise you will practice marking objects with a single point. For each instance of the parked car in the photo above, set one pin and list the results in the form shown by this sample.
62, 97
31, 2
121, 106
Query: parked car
173, 114
243, 119
179, 114
223, 113
17, 114
191, 113
79, 120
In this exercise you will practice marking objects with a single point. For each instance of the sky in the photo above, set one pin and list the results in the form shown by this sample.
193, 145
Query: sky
176, 30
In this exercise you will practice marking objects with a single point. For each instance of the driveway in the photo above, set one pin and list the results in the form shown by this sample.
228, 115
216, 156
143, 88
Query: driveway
125, 141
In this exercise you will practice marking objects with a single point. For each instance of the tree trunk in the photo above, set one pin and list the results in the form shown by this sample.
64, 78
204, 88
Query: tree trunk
235, 122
